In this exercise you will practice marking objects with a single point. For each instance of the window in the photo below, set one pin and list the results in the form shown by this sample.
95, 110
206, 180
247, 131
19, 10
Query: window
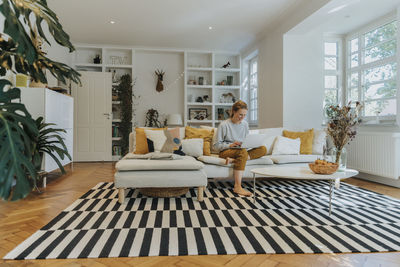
371, 70
250, 89
332, 72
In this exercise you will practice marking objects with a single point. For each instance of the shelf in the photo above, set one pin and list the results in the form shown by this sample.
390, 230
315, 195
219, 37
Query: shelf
236, 87
116, 120
208, 86
199, 69
199, 121
116, 102
223, 104
199, 104
88, 65
118, 66
116, 138
227, 70
116, 157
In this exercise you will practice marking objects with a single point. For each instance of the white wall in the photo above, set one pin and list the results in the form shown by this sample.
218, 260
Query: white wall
271, 63
303, 85
170, 100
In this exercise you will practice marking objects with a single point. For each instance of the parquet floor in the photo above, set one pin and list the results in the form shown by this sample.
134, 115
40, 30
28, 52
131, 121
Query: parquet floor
18, 220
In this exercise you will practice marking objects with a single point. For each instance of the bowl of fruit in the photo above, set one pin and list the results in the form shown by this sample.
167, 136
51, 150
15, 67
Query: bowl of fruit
323, 167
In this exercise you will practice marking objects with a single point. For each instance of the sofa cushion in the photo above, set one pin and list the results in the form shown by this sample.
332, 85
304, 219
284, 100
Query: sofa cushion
221, 162
286, 146
206, 134
281, 159
186, 163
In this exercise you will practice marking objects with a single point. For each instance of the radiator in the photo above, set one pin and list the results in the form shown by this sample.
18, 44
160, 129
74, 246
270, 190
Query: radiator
375, 153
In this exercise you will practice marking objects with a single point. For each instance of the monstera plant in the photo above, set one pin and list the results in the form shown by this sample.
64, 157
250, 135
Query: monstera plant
20, 52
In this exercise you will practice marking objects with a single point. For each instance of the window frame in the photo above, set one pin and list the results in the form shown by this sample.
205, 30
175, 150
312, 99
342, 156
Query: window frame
362, 66
247, 93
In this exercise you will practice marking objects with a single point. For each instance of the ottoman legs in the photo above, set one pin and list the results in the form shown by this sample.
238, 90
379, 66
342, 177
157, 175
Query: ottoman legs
121, 195
200, 192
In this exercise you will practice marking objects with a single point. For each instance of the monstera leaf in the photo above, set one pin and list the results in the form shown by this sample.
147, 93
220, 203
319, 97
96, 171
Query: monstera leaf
18, 132
50, 142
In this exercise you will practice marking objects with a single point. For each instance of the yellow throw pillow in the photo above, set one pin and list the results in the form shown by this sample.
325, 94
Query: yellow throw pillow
206, 134
141, 141
306, 139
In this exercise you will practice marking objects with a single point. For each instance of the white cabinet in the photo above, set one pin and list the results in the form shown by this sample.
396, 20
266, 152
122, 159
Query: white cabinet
54, 108
211, 86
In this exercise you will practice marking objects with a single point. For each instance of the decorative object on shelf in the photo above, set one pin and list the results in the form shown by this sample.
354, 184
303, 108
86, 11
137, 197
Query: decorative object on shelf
174, 120
227, 98
229, 80
199, 99
201, 80
198, 114
114, 77
341, 127
97, 59
21, 30
206, 98
160, 76
152, 119
192, 80
220, 114
190, 98
226, 65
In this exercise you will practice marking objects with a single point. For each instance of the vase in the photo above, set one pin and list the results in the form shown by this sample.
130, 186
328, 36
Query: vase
342, 154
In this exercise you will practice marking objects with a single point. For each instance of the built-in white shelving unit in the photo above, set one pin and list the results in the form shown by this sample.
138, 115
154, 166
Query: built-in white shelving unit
112, 59
209, 87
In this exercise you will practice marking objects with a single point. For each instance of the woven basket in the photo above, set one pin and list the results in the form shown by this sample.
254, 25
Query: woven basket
323, 169
164, 191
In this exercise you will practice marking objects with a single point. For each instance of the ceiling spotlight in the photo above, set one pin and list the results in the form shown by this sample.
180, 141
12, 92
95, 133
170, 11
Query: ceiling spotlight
112, 22
210, 28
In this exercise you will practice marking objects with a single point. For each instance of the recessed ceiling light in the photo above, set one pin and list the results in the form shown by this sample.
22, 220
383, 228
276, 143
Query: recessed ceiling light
112, 22
210, 28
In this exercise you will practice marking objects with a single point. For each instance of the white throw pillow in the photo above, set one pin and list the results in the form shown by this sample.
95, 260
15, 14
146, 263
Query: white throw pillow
193, 147
158, 137
286, 146
319, 142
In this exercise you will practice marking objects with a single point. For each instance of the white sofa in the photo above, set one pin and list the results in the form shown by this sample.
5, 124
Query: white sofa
226, 171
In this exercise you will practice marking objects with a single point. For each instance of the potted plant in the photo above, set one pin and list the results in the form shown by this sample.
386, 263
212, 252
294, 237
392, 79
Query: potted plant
19, 133
341, 125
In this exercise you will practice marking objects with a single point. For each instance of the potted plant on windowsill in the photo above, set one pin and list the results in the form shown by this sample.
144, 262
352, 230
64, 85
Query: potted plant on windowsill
341, 127
18, 53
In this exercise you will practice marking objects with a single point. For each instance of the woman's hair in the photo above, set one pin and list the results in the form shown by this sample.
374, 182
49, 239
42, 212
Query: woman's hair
237, 106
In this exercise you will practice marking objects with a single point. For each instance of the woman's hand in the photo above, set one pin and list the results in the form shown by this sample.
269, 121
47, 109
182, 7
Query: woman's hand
235, 144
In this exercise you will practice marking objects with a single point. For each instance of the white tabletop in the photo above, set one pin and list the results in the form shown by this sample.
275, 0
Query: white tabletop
301, 172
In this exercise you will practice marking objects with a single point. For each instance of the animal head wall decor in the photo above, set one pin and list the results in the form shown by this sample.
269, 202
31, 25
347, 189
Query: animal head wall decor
160, 76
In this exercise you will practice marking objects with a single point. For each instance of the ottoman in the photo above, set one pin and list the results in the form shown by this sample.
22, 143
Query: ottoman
158, 173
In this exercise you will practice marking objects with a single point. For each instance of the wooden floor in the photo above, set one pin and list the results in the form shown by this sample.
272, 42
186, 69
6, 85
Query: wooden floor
18, 220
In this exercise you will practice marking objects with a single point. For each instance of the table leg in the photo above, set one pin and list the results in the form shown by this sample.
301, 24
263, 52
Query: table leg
254, 188
331, 194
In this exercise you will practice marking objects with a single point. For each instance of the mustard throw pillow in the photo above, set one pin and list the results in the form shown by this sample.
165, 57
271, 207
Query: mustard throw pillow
206, 134
306, 139
141, 141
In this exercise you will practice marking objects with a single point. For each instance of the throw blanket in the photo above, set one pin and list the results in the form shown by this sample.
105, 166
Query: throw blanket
153, 156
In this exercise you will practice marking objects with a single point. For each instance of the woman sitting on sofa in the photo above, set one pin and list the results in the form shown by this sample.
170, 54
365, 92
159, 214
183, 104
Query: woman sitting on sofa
230, 135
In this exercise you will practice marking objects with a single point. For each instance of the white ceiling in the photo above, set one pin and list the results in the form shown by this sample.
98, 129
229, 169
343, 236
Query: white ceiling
345, 16
169, 23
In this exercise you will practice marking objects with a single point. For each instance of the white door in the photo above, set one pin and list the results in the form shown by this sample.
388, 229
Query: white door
92, 117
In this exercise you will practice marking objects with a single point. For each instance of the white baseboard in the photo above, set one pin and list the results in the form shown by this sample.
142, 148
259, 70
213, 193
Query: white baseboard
379, 179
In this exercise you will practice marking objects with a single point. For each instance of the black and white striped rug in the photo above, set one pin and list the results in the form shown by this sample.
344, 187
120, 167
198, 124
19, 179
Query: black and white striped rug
290, 217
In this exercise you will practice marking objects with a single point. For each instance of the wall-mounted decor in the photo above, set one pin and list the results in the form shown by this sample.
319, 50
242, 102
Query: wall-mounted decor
198, 114
160, 76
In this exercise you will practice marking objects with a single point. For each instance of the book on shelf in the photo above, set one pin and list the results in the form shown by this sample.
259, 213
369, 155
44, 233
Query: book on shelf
115, 131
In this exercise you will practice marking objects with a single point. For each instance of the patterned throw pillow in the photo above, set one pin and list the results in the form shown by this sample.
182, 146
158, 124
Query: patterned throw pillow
173, 141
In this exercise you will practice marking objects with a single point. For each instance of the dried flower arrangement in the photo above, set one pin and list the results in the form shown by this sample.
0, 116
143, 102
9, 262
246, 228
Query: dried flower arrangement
341, 125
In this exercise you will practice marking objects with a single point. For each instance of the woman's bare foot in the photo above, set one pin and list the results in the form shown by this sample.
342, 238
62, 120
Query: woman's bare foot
229, 160
241, 191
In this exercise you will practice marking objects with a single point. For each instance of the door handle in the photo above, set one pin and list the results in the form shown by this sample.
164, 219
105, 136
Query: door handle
107, 114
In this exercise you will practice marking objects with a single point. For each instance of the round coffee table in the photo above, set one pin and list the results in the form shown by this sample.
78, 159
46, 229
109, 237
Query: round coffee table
302, 172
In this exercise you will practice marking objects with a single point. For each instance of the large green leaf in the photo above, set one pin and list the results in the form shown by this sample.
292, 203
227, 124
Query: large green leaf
17, 133
50, 142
